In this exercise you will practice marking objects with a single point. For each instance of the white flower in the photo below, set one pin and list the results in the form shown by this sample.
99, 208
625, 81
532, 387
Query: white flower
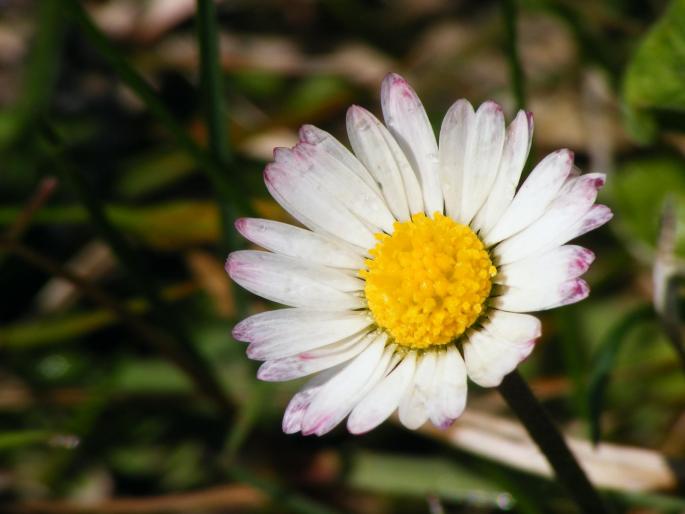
420, 261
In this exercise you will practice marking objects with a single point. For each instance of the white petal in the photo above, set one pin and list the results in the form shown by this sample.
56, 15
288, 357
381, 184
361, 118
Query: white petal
449, 390
380, 153
555, 266
338, 396
483, 156
288, 281
414, 404
300, 243
536, 193
314, 206
557, 224
285, 332
512, 326
333, 147
514, 155
458, 122
489, 359
384, 398
294, 412
499, 346
388, 361
301, 215
321, 170
407, 120
303, 364
520, 299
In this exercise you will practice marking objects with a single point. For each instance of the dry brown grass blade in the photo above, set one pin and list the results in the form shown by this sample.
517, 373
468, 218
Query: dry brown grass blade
93, 261
230, 498
41, 195
609, 466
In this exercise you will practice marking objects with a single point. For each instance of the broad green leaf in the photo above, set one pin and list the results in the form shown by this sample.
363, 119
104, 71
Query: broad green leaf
639, 189
313, 95
153, 376
604, 362
656, 502
19, 438
150, 173
178, 467
49, 330
258, 84
169, 226
655, 77
420, 476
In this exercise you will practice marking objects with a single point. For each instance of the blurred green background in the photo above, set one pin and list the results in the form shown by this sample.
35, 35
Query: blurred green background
132, 134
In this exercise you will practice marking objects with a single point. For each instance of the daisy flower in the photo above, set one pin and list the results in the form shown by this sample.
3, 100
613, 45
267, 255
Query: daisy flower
418, 264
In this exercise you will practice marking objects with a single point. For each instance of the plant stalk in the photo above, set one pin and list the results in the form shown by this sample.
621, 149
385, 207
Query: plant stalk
549, 439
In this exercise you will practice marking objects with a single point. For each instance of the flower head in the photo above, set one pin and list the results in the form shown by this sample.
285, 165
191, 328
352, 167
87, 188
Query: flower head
418, 265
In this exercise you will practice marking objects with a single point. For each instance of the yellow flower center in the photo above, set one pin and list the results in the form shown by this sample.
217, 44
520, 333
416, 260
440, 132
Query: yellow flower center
426, 283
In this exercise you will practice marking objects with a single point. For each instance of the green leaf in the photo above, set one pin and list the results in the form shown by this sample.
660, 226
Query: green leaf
420, 476
151, 376
261, 85
69, 327
51, 330
314, 94
658, 502
655, 77
149, 173
604, 362
41, 71
10, 440
169, 226
638, 190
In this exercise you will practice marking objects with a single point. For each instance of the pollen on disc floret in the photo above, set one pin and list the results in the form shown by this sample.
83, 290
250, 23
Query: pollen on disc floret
427, 282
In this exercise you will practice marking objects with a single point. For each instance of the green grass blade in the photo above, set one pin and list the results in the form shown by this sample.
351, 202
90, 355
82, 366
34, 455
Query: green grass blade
211, 82
510, 16
140, 275
21, 438
603, 364
147, 94
285, 499
213, 106
40, 75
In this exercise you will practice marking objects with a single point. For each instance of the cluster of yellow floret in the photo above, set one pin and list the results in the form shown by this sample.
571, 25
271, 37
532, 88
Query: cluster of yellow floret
426, 283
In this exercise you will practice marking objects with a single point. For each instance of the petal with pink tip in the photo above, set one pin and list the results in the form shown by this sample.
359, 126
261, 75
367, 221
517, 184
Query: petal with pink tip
552, 267
524, 299
379, 152
300, 243
406, 119
306, 363
286, 332
314, 206
562, 221
334, 148
294, 412
534, 196
338, 396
